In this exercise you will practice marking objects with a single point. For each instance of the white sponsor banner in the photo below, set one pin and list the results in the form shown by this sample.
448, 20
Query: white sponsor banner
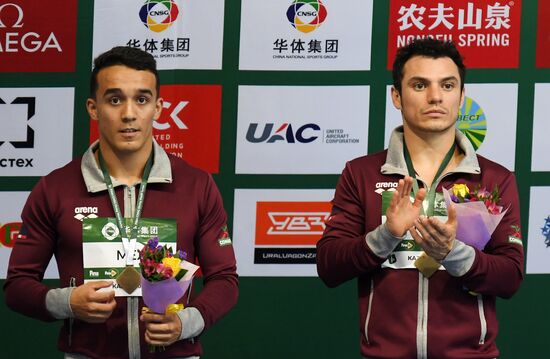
493, 109
300, 129
540, 161
10, 212
180, 34
297, 35
538, 238
244, 229
36, 130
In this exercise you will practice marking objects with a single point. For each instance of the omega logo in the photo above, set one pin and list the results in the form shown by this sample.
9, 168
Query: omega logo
18, 23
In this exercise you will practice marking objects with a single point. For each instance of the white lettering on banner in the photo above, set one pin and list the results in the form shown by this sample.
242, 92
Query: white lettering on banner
497, 16
173, 115
292, 223
18, 22
464, 40
28, 42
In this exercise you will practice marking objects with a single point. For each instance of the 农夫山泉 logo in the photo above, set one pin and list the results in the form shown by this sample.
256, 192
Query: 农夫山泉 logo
304, 134
9, 233
158, 15
290, 223
306, 15
472, 122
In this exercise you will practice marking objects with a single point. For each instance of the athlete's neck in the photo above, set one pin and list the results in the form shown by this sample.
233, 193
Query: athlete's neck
126, 167
428, 150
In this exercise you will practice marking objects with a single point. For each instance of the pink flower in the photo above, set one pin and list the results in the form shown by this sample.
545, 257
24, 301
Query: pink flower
492, 207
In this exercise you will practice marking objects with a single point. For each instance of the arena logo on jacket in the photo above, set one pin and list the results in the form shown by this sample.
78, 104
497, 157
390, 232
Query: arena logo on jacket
85, 212
385, 186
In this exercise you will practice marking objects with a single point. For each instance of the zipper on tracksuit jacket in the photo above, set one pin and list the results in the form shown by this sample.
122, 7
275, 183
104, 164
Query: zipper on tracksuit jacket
72, 284
482, 319
369, 311
132, 311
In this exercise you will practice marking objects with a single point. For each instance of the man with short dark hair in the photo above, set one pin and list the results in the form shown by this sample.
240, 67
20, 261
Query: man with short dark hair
423, 292
125, 161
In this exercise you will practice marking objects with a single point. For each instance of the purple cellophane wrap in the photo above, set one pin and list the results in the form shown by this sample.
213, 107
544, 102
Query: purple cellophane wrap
158, 295
475, 223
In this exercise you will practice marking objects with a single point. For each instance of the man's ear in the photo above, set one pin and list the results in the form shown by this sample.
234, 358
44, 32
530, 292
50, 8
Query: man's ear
158, 108
396, 98
91, 106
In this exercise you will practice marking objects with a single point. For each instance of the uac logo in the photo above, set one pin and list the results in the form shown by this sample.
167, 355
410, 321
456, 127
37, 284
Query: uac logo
284, 133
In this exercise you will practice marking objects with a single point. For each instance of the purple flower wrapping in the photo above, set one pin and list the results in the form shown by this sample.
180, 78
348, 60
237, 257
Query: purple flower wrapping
475, 223
158, 295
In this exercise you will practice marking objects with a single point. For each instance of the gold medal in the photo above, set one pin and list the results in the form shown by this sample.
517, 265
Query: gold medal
129, 279
426, 265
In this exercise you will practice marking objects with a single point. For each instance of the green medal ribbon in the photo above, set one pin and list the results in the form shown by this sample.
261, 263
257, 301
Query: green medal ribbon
129, 279
430, 196
426, 264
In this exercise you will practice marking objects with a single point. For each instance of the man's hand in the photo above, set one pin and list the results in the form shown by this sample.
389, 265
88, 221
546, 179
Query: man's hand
161, 329
434, 236
402, 214
90, 305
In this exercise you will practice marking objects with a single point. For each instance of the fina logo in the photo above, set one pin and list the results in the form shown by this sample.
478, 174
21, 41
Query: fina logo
306, 15
281, 135
472, 122
158, 15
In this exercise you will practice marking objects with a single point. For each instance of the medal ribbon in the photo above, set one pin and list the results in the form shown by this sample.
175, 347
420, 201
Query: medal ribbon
426, 264
430, 196
129, 245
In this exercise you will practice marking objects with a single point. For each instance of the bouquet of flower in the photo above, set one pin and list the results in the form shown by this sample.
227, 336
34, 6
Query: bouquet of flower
478, 213
165, 276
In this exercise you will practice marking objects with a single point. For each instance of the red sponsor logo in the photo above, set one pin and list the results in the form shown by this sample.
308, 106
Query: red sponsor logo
9, 233
189, 126
38, 36
487, 32
543, 35
290, 223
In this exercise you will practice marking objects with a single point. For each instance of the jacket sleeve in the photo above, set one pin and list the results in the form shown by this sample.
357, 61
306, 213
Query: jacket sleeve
30, 256
498, 269
344, 252
216, 259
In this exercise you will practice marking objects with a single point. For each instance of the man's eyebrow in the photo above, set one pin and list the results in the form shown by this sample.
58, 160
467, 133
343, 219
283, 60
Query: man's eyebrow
117, 91
111, 91
424, 79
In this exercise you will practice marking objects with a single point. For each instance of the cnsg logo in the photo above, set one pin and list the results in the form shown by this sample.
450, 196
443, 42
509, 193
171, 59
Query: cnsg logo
306, 15
290, 223
11, 17
158, 15
9, 233
304, 134
472, 122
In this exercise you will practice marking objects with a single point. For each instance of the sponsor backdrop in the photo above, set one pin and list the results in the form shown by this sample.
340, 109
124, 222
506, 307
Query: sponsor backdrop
273, 97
